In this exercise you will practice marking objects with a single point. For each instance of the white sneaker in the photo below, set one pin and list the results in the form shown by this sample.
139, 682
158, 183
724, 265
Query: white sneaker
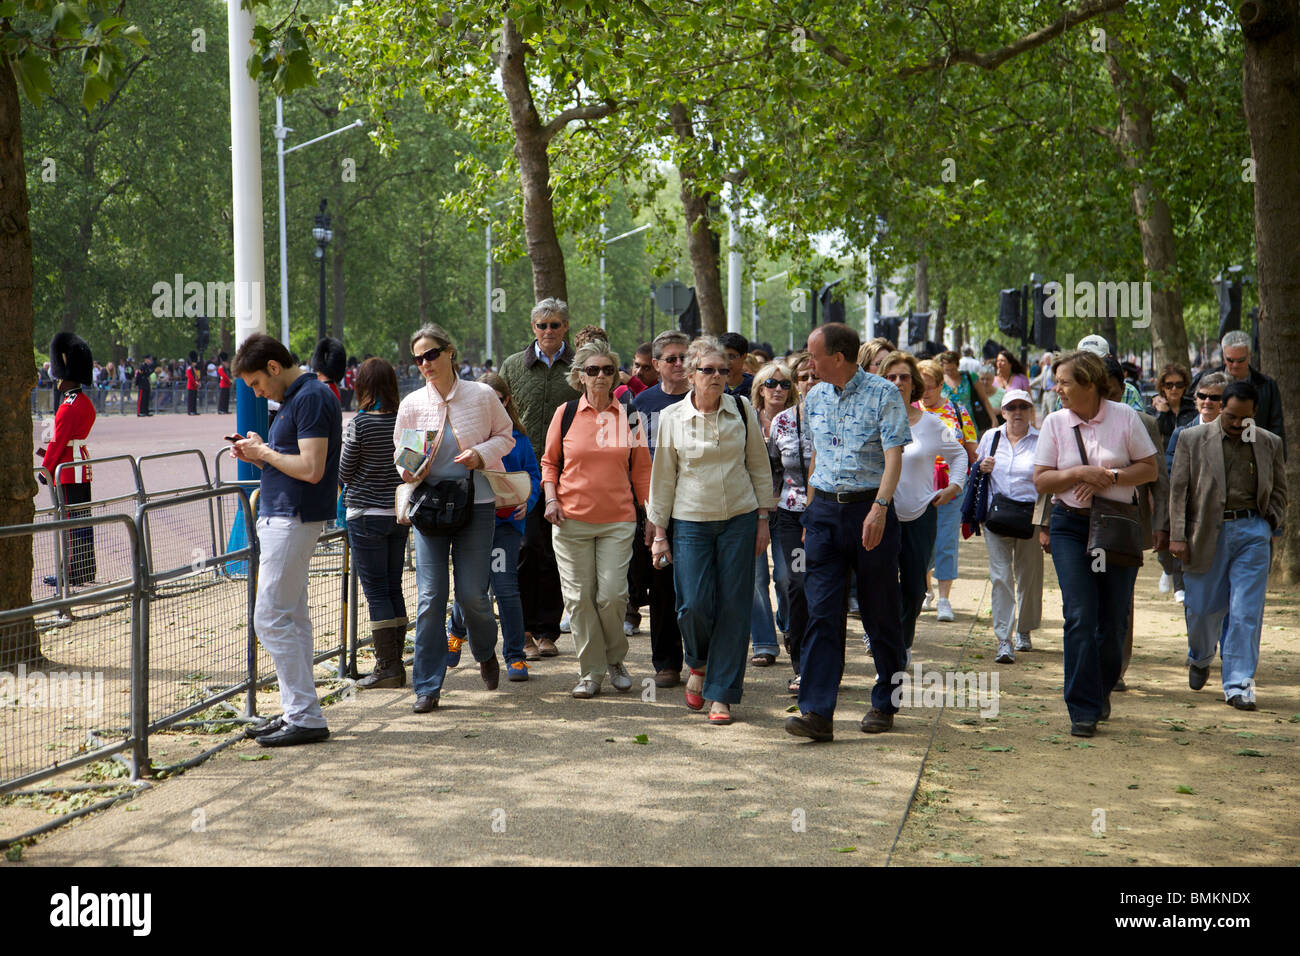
1166, 582
586, 689
1180, 596
619, 677
628, 629
564, 625
853, 604
944, 610
928, 603
1005, 654
1023, 643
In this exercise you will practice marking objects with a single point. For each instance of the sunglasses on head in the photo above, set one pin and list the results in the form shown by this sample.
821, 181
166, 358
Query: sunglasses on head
1207, 397
548, 325
776, 383
430, 356
710, 370
591, 371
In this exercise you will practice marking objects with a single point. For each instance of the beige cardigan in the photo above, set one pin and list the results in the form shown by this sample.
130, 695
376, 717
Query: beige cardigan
700, 475
477, 416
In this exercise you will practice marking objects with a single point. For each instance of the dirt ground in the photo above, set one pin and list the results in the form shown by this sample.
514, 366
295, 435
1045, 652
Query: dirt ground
1175, 778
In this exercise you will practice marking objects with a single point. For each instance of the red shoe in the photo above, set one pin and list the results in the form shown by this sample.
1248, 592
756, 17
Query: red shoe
719, 718
694, 701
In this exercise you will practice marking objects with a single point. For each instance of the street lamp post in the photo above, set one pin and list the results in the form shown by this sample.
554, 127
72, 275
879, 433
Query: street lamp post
322, 233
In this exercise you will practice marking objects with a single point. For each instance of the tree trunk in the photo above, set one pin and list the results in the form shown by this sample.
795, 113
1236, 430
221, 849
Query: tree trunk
1271, 95
339, 247
19, 641
922, 284
1155, 224
701, 241
531, 145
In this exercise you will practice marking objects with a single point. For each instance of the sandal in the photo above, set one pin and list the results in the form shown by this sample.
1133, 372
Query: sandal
793, 686
718, 718
694, 700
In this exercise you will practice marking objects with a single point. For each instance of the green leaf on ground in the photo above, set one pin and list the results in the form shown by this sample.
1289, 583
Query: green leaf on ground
846, 849
609, 740
641, 739
1183, 788
792, 709
747, 814
472, 733
998, 750
1132, 786
254, 756
1251, 753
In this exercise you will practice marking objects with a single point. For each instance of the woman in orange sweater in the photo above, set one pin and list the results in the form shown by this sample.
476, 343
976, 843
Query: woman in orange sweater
595, 472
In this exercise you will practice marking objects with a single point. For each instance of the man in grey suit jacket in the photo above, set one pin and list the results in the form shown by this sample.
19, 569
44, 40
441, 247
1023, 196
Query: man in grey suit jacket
1227, 496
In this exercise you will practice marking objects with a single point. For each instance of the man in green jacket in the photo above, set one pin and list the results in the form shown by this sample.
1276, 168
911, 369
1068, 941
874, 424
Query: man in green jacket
539, 382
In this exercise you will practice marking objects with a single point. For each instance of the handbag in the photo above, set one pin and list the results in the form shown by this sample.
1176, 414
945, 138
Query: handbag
442, 509
1010, 518
511, 488
975, 505
1113, 526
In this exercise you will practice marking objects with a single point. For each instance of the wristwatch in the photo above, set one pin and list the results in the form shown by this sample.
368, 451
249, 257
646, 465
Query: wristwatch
883, 502
1114, 473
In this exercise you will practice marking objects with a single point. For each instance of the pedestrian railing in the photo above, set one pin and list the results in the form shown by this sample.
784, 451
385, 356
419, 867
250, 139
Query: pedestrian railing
163, 631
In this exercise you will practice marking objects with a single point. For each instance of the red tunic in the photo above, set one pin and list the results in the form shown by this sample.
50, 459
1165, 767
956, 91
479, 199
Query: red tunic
72, 424
191, 379
223, 377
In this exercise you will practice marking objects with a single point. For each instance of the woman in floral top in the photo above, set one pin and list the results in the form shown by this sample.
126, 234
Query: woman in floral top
791, 442
949, 525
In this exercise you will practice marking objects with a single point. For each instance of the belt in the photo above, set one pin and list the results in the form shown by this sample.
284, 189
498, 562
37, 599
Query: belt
1242, 513
849, 497
1081, 512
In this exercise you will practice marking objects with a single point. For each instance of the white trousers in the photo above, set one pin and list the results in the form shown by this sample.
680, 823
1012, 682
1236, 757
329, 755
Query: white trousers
282, 620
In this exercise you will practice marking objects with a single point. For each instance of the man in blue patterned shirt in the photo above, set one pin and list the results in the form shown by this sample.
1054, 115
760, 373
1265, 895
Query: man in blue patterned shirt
859, 427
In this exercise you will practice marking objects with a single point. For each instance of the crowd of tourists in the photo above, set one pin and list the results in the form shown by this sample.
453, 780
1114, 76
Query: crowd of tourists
839, 478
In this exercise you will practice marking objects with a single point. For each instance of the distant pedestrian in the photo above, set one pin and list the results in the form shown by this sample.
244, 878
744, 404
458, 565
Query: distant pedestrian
192, 381
71, 366
224, 385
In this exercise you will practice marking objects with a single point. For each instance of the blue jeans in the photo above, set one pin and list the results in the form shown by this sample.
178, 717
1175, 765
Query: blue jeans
916, 548
1095, 605
378, 546
833, 546
947, 535
761, 627
471, 551
506, 541
1226, 604
713, 572
787, 537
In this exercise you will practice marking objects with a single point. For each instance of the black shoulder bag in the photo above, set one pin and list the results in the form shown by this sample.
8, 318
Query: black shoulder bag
1113, 526
443, 508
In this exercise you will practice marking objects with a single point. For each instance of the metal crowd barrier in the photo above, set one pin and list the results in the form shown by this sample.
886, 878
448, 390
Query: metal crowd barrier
163, 632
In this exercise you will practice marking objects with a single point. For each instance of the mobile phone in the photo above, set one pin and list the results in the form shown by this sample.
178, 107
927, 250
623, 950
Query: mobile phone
235, 437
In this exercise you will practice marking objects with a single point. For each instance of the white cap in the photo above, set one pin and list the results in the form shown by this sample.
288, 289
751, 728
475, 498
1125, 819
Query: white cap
1095, 344
1016, 395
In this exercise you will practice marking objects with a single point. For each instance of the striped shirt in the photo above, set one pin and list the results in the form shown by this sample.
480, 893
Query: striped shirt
366, 465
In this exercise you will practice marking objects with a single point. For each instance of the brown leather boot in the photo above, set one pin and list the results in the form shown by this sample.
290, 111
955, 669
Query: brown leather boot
389, 671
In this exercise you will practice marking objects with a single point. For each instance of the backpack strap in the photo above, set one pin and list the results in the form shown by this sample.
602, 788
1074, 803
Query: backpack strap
566, 422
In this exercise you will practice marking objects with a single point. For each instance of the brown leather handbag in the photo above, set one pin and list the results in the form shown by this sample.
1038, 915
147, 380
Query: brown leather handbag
1113, 526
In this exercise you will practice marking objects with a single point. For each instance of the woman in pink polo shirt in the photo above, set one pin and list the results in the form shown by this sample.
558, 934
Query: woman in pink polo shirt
595, 472
1096, 594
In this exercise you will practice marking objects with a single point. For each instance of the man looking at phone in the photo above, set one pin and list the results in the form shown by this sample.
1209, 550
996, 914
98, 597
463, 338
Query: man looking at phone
300, 463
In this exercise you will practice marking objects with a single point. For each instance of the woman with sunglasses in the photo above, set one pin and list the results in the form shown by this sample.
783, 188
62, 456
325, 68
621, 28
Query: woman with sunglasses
791, 444
917, 501
712, 479
507, 538
771, 393
471, 431
1172, 405
595, 470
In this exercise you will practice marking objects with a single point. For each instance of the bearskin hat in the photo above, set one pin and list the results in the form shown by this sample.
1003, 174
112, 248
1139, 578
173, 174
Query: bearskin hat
70, 359
330, 359
194, 357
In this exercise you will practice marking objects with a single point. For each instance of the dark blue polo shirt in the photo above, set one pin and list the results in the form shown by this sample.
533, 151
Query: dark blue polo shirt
308, 410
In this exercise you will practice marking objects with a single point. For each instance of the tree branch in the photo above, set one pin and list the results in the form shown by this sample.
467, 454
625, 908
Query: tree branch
568, 116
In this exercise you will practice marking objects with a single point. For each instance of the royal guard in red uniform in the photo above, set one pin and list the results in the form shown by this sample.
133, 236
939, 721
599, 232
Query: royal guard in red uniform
329, 363
71, 367
223, 385
192, 384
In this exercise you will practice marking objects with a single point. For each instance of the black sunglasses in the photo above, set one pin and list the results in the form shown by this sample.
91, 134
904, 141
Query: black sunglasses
591, 371
430, 356
710, 370
548, 325
672, 359
776, 383
1207, 397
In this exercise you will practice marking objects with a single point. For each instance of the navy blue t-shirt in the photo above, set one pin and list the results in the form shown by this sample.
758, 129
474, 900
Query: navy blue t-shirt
649, 404
308, 410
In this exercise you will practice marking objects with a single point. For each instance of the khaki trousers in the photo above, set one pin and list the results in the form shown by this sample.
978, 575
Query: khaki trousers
592, 560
